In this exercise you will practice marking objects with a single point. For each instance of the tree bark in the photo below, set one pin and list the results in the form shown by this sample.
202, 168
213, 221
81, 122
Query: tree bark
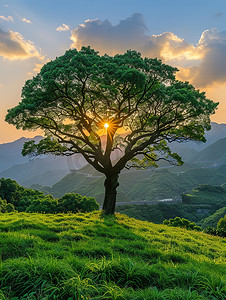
111, 184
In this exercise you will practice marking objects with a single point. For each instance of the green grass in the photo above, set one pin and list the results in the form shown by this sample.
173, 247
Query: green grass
87, 256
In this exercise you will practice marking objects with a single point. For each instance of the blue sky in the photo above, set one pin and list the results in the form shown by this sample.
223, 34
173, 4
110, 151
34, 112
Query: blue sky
168, 29
185, 18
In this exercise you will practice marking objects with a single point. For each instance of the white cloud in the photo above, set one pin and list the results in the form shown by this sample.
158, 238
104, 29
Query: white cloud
202, 64
212, 68
64, 27
131, 33
26, 21
8, 19
13, 46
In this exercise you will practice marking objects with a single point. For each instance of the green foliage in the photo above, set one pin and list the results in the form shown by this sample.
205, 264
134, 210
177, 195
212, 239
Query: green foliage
10, 190
221, 227
46, 205
90, 256
35, 201
44, 146
76, 203
206, 194
74, 95
213, 219
6, 207
157, 213
211, 188
183, 223
222, 223
16, 194
210, 230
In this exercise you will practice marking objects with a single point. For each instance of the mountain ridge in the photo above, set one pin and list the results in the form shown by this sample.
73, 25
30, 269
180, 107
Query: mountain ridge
15, 166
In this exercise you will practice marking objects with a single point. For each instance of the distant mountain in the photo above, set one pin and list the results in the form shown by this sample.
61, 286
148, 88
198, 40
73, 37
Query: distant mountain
87, 181
47, 171
139, 185
10, 153
154, 184
188, 149
217, 132
184, 150
171, 182
214, 154
44, 170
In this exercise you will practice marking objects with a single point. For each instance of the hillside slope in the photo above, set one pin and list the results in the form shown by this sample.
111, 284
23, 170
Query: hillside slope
212, 220
88, 182
139, 185
42, 171
88, 256
10, 153
213, 153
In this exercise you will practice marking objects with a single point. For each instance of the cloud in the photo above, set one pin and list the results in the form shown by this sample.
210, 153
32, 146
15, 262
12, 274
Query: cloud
131, 33
108, 38
64, 27
13, 46
37, 67
212, 68
26, 21
219, 14
8, 19
201, 64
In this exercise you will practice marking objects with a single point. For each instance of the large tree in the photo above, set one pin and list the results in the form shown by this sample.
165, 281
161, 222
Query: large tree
92, 104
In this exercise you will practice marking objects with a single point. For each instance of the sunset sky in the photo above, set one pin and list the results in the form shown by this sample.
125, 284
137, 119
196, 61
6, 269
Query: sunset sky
190, 35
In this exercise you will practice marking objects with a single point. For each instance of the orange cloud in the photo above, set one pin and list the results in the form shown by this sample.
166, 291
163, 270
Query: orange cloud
131, 34
13, 46
212, 68
202, 64
64, 27
8, 19
26, 21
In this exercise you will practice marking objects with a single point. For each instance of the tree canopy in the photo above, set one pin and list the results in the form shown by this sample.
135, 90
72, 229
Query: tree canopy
12, 195
92, 104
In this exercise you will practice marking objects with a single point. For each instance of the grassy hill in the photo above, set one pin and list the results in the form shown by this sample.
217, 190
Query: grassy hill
86, 256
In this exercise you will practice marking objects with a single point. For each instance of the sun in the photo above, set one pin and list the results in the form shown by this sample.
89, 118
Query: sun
106, 125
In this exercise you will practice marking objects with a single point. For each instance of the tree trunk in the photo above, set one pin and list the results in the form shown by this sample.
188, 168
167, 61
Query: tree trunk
111, 184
